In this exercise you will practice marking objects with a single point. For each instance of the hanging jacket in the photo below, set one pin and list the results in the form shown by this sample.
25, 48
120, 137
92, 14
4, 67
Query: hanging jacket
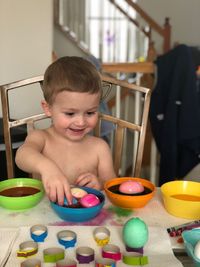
175, 114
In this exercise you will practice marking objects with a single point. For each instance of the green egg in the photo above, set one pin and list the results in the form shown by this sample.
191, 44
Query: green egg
135, 233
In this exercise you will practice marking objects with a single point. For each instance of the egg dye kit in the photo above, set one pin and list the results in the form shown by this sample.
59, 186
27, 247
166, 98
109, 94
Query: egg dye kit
129, 192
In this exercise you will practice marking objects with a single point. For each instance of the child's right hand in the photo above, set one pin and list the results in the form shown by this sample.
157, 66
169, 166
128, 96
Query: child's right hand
57, 187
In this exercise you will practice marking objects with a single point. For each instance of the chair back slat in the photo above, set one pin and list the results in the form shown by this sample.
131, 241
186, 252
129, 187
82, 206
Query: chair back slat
9, 123
119, 137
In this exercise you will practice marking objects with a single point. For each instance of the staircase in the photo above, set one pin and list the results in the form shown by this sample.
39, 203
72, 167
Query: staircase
112, 31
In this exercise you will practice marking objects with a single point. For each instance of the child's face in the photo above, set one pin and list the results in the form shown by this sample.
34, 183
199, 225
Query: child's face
74, 114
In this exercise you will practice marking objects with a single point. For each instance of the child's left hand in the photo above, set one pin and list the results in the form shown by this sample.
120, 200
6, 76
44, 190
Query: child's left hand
88, 180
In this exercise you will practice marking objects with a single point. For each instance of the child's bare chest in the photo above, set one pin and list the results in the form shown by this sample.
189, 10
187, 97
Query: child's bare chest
73, 160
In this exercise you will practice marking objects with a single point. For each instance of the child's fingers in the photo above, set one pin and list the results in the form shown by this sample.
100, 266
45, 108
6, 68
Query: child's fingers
67, 193
83, 181
82, 177
89, 182
60, 195
47, 189
52, 194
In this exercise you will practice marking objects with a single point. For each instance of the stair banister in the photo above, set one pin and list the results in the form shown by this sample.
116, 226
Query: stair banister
165, 32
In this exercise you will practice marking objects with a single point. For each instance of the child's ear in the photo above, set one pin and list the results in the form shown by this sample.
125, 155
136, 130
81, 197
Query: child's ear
46, 108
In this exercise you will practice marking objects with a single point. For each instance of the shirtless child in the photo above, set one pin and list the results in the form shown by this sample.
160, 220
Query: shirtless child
66, 154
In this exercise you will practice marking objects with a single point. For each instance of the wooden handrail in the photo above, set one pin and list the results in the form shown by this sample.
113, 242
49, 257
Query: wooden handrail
134, 21
153, 24
165, 31
126, 67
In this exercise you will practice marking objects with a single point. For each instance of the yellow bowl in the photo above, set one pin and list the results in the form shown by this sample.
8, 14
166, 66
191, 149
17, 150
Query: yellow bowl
129, 201
182, 198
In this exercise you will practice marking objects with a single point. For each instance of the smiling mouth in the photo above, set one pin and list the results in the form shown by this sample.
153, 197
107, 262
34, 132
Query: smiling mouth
77, 130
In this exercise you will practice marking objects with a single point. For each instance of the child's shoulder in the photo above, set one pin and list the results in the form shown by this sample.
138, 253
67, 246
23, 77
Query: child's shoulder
38, 133
98, 141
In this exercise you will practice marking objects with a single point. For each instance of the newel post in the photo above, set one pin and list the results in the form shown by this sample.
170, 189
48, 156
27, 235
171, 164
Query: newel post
166, 36
151, 54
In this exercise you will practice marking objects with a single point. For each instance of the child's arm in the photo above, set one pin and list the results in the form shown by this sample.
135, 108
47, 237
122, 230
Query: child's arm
30, 159
105, 168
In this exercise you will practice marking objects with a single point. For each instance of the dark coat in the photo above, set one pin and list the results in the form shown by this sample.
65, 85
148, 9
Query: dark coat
175, 113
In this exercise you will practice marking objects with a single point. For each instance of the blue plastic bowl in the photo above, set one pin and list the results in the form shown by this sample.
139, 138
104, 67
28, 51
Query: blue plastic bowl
190, 238
80, 214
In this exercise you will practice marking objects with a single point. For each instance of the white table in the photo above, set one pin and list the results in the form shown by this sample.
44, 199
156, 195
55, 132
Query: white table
153, 214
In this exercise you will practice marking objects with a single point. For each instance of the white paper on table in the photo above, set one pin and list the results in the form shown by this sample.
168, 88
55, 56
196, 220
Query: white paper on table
7, 239
158, 248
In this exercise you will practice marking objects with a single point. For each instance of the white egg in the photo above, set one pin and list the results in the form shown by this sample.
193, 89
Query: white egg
197, 250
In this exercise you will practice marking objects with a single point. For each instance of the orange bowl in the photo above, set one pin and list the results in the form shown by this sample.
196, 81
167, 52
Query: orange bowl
129, 201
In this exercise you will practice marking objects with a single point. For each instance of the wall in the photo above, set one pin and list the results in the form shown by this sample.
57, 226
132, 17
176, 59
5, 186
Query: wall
63, 46
184, 18
26, 28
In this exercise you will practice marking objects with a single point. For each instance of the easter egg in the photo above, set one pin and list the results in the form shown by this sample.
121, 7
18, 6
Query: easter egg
135, 233
67, 205
131, 187
78, 192
197, 250
89, 200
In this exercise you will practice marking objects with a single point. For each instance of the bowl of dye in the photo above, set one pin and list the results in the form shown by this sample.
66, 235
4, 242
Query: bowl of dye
20, 193
129, 200
191, 239
76, 212
182, 198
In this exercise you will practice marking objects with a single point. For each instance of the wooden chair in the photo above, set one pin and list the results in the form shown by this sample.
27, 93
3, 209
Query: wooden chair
9, 123
144, 75
119, 126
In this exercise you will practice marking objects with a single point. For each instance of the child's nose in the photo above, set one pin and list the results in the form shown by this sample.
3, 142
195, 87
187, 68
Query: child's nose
80, 120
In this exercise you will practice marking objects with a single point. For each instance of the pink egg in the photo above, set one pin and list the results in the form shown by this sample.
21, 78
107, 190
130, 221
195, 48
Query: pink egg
89, 200
131, 187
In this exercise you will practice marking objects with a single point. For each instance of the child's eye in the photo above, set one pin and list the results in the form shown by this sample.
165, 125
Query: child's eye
90, 113
69, 113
